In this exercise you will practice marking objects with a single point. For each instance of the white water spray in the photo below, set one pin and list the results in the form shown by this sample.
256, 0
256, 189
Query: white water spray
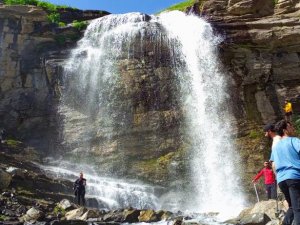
214, 158
91, 107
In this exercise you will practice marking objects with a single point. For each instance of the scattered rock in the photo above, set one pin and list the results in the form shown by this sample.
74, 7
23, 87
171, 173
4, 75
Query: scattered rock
66, 204
33, 215
177, 222
268, 207
148, 216
131, 216
7, 194
90, 214
255, 219
69, 222
75, 214
5, 179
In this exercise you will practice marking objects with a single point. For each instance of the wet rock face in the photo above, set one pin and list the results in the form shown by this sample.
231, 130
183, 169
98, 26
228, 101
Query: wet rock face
25, 97
31, 53
262, 54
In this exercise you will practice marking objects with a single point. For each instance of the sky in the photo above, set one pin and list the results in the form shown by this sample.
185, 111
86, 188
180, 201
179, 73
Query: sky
119, 6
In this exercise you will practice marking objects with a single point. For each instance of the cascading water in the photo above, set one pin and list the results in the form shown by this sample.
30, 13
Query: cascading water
215, 176
95, 119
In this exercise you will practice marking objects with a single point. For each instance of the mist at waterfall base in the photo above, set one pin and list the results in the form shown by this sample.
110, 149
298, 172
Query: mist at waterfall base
90, 107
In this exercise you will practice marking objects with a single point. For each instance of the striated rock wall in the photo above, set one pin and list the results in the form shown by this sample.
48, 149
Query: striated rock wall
261, 50
31, 50
25, 93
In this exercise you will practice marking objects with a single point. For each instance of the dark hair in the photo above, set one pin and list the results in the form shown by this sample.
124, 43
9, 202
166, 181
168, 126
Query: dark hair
269, 127
280, 126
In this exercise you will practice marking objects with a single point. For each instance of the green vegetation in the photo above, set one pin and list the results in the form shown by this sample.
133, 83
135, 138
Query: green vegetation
49, 7
80, 25
254, 134
58, 210
54, 17
182, 6
3, 218
61, 24
13, 143
296, 122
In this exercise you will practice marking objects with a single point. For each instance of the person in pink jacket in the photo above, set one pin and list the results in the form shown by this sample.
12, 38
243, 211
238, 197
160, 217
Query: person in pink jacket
270, 181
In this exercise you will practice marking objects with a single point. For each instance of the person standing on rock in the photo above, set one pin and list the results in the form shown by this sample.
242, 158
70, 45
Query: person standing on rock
270, 181
286, 159
288, 110
79, 188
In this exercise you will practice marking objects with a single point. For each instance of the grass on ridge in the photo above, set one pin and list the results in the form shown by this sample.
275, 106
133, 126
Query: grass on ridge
181, 6
49, 7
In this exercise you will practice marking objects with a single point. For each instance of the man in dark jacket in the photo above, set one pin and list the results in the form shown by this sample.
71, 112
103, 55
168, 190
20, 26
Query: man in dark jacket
79, 188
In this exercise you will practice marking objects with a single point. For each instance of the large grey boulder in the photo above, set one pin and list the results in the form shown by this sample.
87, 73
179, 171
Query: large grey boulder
5, 179
131, 216
255, 219
148, 216
66, 204
75, 214
269, 208
90, 214
33, 215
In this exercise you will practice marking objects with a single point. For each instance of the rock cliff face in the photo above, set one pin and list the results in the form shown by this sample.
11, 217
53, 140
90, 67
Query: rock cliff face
30, 51
261, 50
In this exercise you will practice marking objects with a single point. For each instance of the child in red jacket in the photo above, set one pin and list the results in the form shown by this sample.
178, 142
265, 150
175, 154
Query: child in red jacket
270, 181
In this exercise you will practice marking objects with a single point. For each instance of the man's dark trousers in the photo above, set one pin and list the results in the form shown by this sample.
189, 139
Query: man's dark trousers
271, 191
291, 190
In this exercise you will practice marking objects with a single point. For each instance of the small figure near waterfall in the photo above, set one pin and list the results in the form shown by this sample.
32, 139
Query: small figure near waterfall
286, 159
79, 188
288, 110
270, 132
270, 182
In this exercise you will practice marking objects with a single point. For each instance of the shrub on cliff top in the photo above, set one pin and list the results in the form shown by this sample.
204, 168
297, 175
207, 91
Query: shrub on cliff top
49, 7
182, 6
80, 25
20, 2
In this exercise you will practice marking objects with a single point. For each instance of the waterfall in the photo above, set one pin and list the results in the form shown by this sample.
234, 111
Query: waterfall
215, 176
99, 102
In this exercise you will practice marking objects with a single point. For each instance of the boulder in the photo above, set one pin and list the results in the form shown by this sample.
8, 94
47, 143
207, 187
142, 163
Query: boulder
75, 214
115, 216
66, 204
5, 179
131, 216
255, 219
148, 216
274, 222
165, 215
268, 207
33, 215
178, 222
69, 222
90, 214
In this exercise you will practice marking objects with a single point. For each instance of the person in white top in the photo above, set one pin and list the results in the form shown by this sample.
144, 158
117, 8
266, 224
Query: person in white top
270, 132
